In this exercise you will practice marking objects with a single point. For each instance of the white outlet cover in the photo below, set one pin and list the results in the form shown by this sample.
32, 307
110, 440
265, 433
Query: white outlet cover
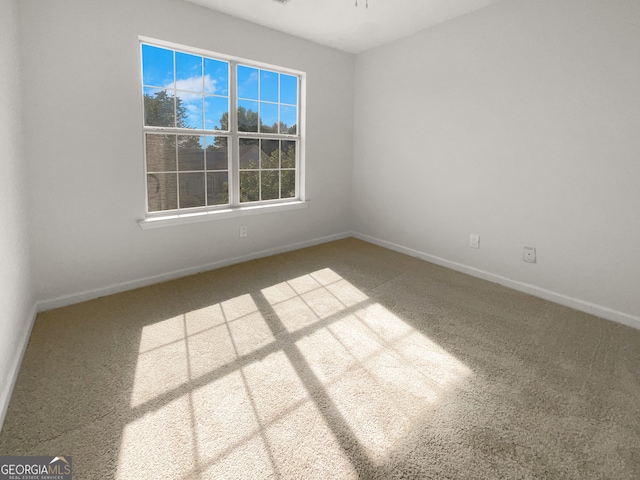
474, 240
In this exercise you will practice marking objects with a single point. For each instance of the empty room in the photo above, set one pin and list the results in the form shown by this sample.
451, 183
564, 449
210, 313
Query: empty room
331, 239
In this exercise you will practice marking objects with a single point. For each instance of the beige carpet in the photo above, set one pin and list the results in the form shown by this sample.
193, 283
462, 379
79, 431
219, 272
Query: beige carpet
339, 361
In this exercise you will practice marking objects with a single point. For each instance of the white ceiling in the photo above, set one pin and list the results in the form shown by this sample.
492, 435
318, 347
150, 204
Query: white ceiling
342, 25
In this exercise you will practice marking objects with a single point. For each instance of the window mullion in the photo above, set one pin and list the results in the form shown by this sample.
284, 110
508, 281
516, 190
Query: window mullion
259, 165
234, 144
175, 125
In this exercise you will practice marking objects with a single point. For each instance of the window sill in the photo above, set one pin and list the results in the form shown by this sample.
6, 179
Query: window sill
183, 218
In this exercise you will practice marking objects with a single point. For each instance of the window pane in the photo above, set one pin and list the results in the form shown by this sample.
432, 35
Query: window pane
270, 184
269, 117
249, 153
288, 89
161, 153
270, 154
190, 153
188, 72
247, 82
191, 190
161, 191
218, 188
217, 153
288, 154
249, 186
216, 77
288, 120
268, 86
288, 188
157, 66
159, 108
247, 116
189, 110
216, 113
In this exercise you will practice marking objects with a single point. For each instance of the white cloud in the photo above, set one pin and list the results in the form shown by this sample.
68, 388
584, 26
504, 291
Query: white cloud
194, 84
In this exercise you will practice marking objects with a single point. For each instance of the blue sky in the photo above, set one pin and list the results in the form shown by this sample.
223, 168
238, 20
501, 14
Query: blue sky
203, 86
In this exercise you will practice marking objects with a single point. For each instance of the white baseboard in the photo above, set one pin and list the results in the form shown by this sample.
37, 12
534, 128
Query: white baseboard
17, 362
576, 303
83, 296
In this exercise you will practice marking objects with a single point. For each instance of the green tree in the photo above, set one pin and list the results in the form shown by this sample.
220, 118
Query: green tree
276, 177
250, 186
248, 122
159, 112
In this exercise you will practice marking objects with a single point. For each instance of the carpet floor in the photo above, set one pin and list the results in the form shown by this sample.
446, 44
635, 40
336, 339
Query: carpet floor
339, 361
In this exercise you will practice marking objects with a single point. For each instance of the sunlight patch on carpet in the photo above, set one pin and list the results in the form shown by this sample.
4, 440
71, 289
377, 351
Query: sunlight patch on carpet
280, 381
380, 380
160, 441
380, 373
177, 350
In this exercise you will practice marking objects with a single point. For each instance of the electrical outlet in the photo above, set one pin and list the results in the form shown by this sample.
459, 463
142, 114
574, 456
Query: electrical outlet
474, 240
243, 231
529, 255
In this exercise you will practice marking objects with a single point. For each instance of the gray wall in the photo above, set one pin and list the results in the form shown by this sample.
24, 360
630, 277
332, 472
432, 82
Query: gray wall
16, 298
82, 111
519, 122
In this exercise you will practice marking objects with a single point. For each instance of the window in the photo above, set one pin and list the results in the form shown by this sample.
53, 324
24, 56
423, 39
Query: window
219, 133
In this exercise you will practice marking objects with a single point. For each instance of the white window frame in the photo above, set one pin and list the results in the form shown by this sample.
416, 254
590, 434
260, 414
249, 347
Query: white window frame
235, 207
